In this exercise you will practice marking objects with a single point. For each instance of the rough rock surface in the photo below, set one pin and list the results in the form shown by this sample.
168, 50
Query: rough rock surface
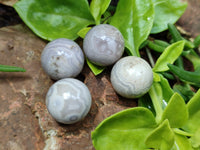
25, 123
190, 20
24, 119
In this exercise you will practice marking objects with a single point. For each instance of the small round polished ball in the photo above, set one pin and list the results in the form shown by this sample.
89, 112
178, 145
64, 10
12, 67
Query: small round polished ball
103, 45
62, 58
131, 77
68, 100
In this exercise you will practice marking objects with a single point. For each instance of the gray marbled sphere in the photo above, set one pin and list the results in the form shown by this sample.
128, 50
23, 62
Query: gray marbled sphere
103, 45
62, 58
131, 77
68, 100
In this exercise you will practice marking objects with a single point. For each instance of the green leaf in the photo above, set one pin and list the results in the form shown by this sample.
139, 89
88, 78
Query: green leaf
134, 18
97, 8
194, 113
182, 132
161, 138
5, 68
52, 19
193, 123
176, 111
184, 90
170, 54
181, 143
197, 41
95, 69
156, 77
127, 129
195, 140
166, 89
82, 33
166, 11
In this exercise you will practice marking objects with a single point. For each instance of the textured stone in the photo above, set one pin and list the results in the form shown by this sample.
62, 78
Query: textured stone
190, 20
24, 119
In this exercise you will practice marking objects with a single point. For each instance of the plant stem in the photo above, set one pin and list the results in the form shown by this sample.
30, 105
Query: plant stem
177, 36
150, 57
5, 68
156, 96
161, 43
155, 47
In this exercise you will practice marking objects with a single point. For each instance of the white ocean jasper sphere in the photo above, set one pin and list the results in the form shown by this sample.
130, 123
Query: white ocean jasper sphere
62, 58
131, 77
103, 45
68, 100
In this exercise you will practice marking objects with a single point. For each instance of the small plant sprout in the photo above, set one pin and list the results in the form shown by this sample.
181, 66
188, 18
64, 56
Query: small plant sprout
103, 45
68, 100
62, 58
131, 77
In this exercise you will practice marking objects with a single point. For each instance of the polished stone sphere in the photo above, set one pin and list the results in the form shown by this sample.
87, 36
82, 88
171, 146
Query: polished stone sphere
68, 100
62, 58
131, 77
103, 45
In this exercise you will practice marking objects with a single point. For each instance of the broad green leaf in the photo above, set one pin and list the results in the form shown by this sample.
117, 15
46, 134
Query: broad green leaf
127, 130
166, 11
195, 140
161, 138
170, 54
97, 8
194, 104
176, 111
194, 113
82, 33
52, 19
134, 18
95, 69
181, 143
193, 123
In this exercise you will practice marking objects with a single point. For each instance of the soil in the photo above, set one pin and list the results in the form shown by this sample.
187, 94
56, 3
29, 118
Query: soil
25, 123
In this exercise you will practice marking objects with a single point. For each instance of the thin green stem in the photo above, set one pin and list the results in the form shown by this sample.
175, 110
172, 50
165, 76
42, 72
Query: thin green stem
155, 47
156, 96
5, 68
144, 44
176, 36
151, 60
175, 33
161, 43
168, 75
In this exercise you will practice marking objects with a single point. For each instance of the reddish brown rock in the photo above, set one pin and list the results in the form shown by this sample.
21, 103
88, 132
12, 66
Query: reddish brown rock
24, 119
190, 21
19, 91
25, 123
